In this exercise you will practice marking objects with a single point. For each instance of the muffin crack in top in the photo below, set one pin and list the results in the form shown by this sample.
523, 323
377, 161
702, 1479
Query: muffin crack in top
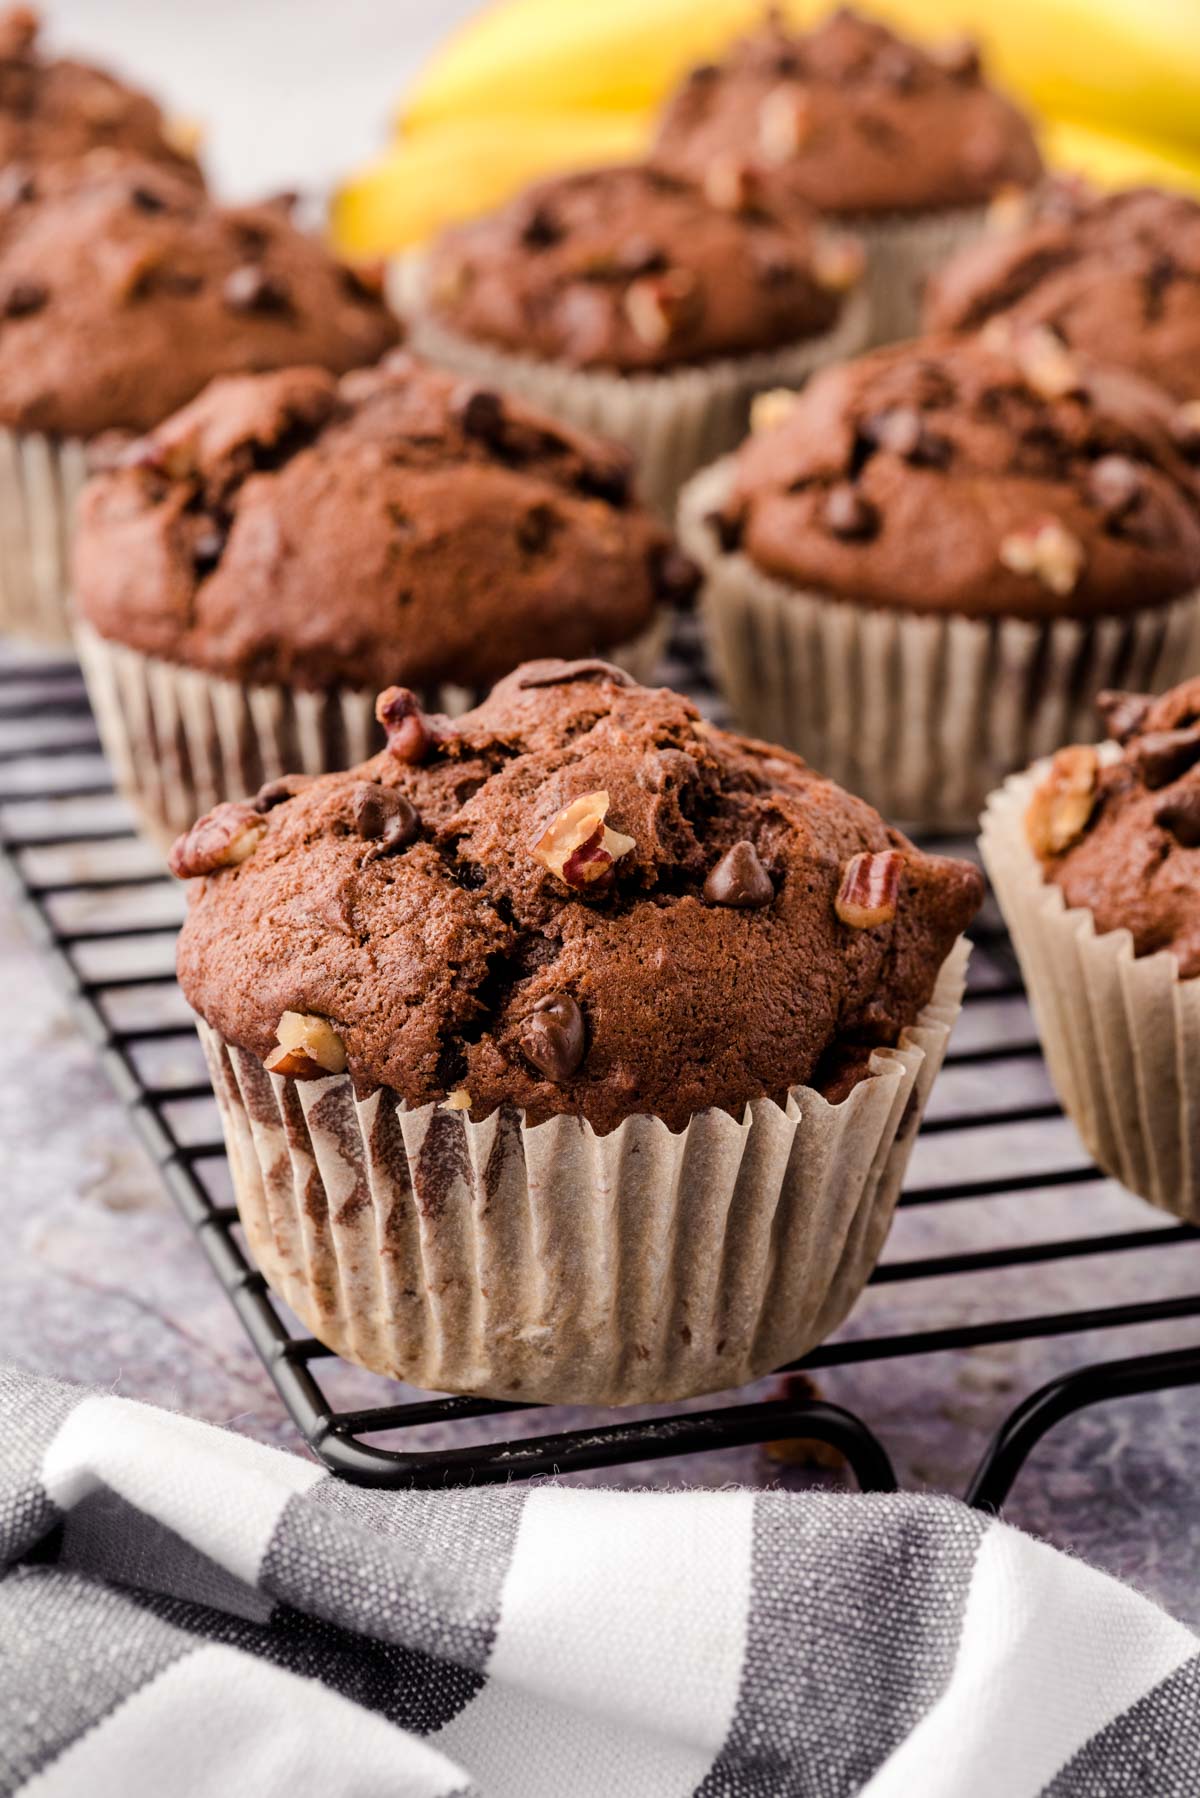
579, 898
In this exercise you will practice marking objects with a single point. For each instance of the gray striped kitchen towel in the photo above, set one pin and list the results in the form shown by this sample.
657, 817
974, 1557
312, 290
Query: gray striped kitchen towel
188, 1614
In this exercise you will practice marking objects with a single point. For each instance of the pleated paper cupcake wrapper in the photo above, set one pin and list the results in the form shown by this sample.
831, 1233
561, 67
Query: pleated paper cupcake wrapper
40, 479
902, 253
674, 423
921, 714
180, 740
552, 1264
1121, 1032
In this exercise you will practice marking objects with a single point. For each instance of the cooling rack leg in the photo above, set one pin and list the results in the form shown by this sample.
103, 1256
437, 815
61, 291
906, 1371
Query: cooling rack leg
1024, 1428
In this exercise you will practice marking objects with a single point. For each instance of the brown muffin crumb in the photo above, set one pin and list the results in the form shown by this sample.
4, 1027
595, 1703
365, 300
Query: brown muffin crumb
466, 970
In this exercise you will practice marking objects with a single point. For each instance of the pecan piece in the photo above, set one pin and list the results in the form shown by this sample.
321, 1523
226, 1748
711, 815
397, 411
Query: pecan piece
224, 837
770, 408
251, 289
552, 1038
730, 184
1063, 801
309, 1048
410, 735
1046, 363
1046, 550
458, 1100
784, 123
849, 514
838, 261
869, 889
578, 846
659, 306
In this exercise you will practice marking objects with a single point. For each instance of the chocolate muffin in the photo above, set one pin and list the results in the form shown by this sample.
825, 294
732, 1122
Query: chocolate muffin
907, 144
1095, 856
1115, 276
57, 111
971, 540
314, 539
533, 943
123, 290
630, 300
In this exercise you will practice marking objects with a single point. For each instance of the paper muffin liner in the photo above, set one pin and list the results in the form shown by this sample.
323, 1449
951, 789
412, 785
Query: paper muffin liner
1121, 1032
674, 423
180, 740
922, 714
40, 479
902, 252
551, 1264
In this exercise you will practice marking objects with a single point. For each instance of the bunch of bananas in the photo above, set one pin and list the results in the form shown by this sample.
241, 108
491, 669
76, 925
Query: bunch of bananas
531, 86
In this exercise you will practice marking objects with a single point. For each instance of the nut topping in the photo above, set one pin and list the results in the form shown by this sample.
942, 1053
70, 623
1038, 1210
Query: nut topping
1185, 427
1011, 209
1123, 714
251, 289
903, 432
384, 816
309, 1048
458, 1100
838, 261
784, 123
1048, 551
658, 306
849, 514
870, 887
1046, 363
958, 56
739, 880
770, 408
553, 1037
221, 839
1114, 484
1063, 802
409, 734
24, 297
730, 184
578, 846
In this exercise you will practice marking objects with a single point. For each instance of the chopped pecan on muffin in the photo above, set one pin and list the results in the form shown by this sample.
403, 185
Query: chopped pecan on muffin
55, 111
849, 118
123, 289
633, 270
396, 525
958, 475
593, 904
1120, 834
1116, 276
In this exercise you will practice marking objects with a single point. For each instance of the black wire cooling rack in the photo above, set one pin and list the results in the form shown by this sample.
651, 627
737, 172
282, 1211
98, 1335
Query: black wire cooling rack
98, 903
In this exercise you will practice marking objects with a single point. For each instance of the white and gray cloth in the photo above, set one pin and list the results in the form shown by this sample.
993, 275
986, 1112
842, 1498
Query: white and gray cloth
184, 1611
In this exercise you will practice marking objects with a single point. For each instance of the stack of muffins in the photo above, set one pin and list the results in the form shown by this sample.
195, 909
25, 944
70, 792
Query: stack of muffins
569, 1047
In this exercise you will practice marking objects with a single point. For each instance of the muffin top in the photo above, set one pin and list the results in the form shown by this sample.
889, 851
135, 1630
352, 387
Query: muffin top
398, 524
53, 112
631, 269
1120, 834
123, 290
579, 898
1117, 276
956, 475
851, 119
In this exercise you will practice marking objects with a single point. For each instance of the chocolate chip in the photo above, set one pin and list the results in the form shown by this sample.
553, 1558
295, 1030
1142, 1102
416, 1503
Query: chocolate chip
774, 269
1180, 815
16, 184
640, 256
278, 792
481, 415
675, 576
553, 1038
1162, 756
1114, 484
384, 816
726, 530
536, 528
146, 200
902, 431
610, 481
410, 736
849, 514
541, 230
587, 668
24, 297
739, 879
1123, 714
252, 289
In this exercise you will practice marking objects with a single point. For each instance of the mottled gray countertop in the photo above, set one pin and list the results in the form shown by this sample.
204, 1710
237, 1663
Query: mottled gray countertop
101, 1283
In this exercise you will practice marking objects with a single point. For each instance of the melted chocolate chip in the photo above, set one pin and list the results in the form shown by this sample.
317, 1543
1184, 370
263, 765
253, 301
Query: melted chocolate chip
1162, 756
1123, 714
726, 530
536, 528
1180, 815
849, 514
384, 816
146, 200
589, 668
739, 880
278, 792
481, 415
609, 481
553, 1038
541, 230
24, 297
675, 576
252, 289
903, 432
1114, 485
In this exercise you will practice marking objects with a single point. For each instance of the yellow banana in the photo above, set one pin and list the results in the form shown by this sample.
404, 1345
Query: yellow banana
463, 167
1113, 161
